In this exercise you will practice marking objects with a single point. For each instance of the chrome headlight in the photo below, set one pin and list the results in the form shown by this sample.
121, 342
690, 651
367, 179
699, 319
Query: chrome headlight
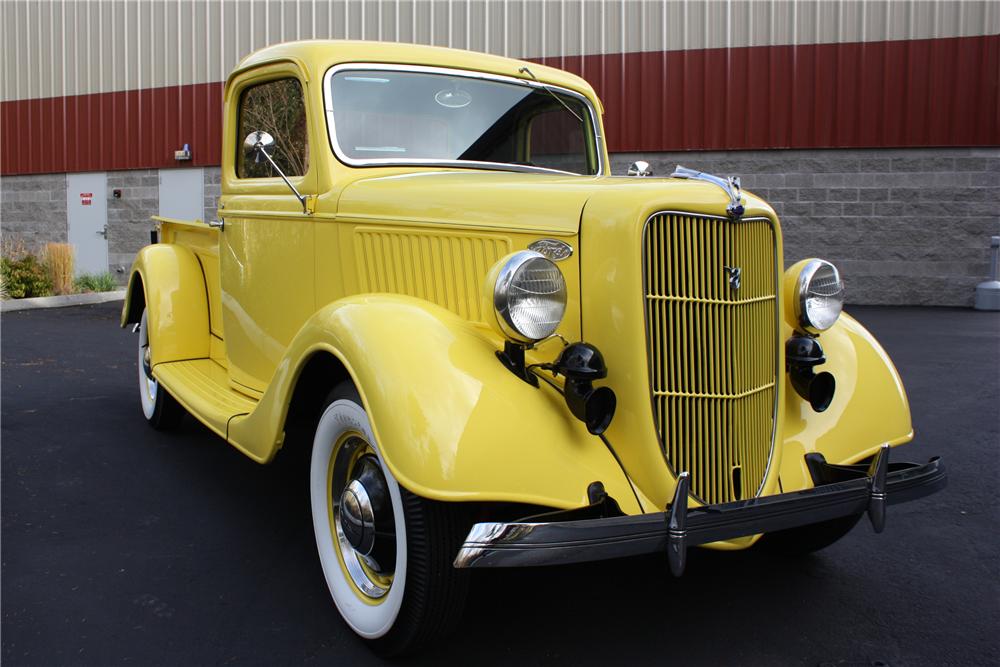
819, 295
529, 296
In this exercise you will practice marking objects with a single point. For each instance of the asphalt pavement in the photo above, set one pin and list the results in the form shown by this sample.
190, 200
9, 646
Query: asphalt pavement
122, 545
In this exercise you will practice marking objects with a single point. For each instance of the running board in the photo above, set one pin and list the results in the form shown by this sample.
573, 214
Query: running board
202, 387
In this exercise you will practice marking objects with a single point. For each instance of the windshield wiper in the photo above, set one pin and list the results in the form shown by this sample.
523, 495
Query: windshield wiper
525, 70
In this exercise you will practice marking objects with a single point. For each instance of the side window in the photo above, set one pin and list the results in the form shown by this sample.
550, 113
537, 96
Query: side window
275, 107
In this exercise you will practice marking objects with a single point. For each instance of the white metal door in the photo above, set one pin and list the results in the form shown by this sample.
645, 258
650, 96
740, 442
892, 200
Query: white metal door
87, 214
182, 193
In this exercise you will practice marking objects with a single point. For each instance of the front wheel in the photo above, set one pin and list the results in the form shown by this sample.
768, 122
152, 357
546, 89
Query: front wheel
161, 410
386, 553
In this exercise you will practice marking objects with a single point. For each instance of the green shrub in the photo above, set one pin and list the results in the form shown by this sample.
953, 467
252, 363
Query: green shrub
25, 277
96, 282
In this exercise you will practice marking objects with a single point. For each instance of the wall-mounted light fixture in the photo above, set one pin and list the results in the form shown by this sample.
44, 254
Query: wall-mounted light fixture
183, 154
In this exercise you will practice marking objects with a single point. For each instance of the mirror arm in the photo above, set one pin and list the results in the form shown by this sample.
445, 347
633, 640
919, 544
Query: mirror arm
259, 147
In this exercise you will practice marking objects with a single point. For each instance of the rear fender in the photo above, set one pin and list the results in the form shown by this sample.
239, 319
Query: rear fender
869, 407
169, 280
451, 422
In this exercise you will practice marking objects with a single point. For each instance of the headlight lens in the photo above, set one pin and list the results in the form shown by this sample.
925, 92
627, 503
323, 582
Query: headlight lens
820, 295
529, 296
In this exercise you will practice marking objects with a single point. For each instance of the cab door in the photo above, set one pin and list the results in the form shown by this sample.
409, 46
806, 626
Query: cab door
266, 246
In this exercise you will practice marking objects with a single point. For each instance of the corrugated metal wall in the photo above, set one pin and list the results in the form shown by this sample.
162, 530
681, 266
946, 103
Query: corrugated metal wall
121, 84
76, 47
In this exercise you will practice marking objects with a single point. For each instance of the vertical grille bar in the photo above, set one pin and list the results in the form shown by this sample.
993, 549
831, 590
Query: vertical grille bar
712, 348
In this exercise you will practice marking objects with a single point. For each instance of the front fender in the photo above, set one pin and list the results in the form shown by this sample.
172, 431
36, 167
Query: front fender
869, 407
170, 279
452, 423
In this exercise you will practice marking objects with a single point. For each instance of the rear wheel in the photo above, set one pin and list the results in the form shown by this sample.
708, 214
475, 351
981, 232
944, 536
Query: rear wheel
161, 410
386, 553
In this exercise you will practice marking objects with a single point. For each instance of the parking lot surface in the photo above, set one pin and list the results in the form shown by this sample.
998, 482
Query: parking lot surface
122, 545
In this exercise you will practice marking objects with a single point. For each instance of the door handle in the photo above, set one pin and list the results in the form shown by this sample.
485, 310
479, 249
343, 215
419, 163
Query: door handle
218, 224
103, 232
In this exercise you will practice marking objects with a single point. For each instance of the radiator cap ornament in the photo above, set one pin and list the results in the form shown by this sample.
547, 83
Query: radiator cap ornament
555, 250
731, 185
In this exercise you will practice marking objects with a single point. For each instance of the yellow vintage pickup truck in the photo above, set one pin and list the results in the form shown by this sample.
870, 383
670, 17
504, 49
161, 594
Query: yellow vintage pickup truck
498, 353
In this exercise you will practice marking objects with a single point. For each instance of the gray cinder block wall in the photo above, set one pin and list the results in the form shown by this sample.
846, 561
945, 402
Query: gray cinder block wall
33, 210
213, 189
129, 221
906, 226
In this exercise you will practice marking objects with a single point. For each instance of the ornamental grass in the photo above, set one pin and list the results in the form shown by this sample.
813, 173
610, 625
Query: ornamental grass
58, 260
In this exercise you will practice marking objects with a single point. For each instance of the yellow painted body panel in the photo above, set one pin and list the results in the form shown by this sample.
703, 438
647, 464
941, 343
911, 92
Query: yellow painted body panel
266, 268
385, 272
440, 263
470, 200
869, 409
204, 242
451, 422
175, 300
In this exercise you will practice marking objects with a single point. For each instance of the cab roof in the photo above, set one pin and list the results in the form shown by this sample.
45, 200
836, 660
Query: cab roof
318, 55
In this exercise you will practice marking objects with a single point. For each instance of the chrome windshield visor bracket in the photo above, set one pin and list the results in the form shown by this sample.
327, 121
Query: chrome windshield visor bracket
730, 185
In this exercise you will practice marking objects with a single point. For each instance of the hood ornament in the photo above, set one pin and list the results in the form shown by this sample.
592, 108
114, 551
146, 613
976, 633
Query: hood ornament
731, 185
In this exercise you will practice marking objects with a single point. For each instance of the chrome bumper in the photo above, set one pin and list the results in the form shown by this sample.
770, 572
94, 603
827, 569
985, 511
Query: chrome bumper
561, 537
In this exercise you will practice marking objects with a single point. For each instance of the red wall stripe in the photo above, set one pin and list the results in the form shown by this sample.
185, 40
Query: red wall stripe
134, 129
934, 92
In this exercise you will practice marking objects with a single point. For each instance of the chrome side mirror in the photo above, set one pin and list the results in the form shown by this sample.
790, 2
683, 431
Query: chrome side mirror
258, 145
640, 168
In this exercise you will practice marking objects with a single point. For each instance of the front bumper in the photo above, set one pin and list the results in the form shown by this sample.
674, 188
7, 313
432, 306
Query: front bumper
564, 537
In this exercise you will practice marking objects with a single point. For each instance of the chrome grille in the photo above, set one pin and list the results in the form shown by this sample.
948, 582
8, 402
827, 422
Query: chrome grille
713, 348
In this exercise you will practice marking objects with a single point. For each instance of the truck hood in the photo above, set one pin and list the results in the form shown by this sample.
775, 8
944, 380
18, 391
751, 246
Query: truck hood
496, 200
529, 202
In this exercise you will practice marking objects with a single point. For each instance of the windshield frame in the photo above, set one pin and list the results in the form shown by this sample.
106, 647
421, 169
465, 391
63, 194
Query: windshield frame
595, 127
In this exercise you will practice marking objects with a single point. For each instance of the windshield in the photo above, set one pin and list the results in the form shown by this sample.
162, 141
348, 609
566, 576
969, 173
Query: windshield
382, 116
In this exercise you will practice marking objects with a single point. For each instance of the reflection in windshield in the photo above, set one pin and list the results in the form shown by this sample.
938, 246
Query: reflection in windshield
385, 116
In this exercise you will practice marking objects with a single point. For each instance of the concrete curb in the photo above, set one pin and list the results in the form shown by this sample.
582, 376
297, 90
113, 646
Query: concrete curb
11, 305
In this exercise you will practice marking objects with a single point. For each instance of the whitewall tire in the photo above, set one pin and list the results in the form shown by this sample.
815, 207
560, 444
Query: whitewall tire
386, 553
367, 605
159, 408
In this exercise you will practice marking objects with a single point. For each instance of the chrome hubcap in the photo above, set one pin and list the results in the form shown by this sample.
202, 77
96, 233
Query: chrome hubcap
363, 518
357, 519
